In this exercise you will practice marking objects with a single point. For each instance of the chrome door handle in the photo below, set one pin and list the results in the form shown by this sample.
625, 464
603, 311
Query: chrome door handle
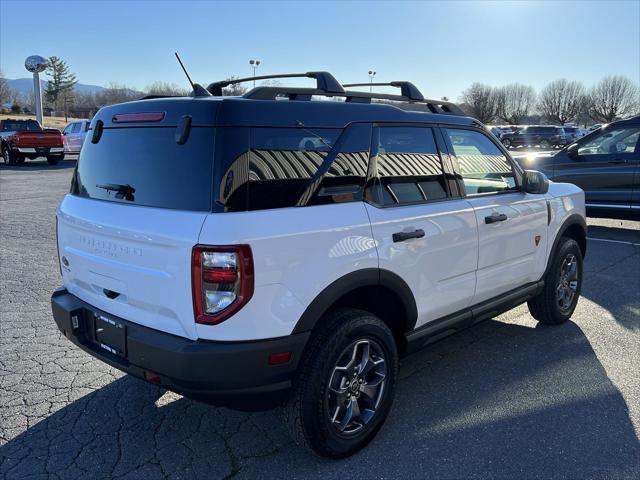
496, 217
402, 236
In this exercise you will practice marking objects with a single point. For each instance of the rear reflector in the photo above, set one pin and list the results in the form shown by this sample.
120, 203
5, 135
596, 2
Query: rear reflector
138, 117
152, 377
222, 281
279, 358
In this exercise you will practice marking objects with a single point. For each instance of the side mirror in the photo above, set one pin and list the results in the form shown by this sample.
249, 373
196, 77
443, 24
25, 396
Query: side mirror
535, 182
572, 151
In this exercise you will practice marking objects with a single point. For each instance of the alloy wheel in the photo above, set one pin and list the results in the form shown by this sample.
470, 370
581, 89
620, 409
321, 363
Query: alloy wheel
356, 386
567, 282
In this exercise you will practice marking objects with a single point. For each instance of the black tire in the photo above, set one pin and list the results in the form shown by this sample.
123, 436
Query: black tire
307, 412
544, 144
8, 156
506, 142
54, 159
554, 305
20, 159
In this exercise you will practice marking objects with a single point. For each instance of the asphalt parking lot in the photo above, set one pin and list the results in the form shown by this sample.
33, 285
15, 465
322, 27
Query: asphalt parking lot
505, 399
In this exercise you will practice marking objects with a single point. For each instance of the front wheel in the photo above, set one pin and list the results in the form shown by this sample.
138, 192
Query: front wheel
545, 144
506, 142
345, 384
562, 285
8, 156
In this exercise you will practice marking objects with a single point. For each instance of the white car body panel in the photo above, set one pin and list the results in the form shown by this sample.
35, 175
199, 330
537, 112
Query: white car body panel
508, 255
298, 250
140, 252
440, 267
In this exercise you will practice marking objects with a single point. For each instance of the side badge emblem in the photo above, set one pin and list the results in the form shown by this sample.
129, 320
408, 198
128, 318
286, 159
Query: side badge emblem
537, 239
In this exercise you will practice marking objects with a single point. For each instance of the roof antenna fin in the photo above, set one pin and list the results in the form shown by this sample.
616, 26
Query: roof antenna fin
198, 90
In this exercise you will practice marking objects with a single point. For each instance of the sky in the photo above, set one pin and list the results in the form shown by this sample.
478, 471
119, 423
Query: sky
442, 47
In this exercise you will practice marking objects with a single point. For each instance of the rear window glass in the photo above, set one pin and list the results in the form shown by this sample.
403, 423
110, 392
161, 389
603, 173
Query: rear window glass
21, 126
145, 166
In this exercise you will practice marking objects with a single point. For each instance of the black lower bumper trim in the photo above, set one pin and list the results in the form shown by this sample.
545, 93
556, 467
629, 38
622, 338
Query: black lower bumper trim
234, 374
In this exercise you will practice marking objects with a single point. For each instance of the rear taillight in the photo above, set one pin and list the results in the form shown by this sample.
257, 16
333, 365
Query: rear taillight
222, 281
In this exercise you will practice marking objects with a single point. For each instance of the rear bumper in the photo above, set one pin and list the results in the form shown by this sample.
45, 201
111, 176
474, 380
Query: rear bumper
41, 150
234, 374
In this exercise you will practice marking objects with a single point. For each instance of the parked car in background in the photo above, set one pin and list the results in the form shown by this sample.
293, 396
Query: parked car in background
543, 136
74, 134
605, 164
571, 133
22, 139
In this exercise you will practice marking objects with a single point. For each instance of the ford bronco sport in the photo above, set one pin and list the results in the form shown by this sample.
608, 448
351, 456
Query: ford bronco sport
277, 248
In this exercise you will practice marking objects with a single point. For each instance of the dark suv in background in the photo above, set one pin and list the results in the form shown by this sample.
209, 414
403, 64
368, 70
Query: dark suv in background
605, 164
533, 135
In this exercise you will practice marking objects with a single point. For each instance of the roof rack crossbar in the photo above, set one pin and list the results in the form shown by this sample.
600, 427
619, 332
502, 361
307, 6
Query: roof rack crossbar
325, 82
292, 93
407, 89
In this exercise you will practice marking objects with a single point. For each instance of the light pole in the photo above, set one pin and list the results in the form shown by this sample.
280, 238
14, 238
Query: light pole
372, 74
254, 64
36, 64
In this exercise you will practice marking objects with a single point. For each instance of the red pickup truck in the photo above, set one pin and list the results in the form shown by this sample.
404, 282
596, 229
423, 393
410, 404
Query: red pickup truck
21, 139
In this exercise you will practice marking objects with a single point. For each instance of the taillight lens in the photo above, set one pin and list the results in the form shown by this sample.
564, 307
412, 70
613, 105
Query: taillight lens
222, 281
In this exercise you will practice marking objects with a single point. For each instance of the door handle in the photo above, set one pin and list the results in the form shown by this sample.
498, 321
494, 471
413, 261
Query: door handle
402, 236
619, 161
496, 217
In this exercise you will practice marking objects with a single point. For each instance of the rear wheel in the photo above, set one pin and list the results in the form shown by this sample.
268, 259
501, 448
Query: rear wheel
345, 384
506, 142
54, 159
562, 285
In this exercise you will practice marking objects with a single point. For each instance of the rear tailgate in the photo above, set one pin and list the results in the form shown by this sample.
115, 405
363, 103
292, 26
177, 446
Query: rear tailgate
133, 262
137, 203
39, 139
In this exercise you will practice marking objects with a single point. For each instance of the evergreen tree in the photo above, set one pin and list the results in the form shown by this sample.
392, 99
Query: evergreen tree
60, 86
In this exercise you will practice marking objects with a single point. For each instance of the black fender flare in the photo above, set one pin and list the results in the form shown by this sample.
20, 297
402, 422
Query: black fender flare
360, 278
570, 221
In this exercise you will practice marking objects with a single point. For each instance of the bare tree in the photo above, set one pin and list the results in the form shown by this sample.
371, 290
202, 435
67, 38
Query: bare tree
561, 100
116, 93
515, 102
481, 102
234, 89
164, 88
613, 97
5, 90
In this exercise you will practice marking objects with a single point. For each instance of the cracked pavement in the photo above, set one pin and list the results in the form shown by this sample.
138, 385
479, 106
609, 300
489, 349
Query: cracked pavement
504, 399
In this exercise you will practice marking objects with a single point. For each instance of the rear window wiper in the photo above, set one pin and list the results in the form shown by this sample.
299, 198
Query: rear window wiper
122, 191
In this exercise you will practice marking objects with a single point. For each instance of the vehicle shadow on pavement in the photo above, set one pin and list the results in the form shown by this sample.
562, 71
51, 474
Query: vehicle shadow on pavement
498, 400
39, 164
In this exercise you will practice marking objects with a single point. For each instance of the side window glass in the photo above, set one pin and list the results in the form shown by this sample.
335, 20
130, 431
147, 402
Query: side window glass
483, 166
282, 161
618, 140
346, 176
75, 128
67, 129
409, 168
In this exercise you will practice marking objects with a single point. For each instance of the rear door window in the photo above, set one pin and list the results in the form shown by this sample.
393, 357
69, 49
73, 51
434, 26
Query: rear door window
408, 167
145, 166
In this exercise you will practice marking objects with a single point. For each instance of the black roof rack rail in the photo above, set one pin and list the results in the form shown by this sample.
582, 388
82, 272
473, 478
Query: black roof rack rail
407, 89
326, 83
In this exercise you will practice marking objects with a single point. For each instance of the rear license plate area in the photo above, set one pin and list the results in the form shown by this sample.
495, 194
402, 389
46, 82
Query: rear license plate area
111, 335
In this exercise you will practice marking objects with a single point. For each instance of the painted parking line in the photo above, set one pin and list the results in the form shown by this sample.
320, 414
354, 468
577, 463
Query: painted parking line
613, 241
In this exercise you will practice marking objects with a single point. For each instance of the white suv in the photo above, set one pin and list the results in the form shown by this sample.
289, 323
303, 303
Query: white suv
251, 251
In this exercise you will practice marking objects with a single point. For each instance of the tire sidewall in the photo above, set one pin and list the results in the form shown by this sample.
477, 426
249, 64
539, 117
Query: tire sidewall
568, 246
324, 438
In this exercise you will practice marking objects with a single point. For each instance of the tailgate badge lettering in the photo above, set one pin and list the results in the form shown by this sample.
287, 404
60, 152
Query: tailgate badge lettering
108, 248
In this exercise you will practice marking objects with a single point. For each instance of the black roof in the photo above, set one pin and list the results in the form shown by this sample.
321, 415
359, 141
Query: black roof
292, 106
239, 111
